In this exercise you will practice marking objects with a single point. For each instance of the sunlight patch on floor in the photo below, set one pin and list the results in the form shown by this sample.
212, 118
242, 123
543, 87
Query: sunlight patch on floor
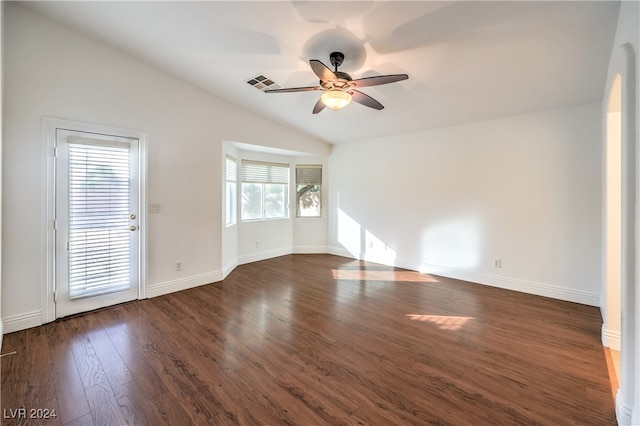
444, 322
364, 275
613, 365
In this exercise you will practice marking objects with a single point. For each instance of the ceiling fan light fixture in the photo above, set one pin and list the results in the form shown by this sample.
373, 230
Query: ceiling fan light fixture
336, 99
338, 88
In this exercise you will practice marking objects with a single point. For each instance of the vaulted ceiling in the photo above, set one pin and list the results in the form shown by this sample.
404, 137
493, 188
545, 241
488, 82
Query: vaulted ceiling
466, 61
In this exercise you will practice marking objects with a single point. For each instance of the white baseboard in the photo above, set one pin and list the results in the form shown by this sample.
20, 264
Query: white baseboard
624, 412
229, 267
611, 339
310, 250
270, 254
1, 334
183, 283
531, 287
539, 289
263, 255
340, 251
22, 321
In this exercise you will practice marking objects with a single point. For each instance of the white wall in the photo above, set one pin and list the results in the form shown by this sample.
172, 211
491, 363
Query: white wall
524, 189
52, 71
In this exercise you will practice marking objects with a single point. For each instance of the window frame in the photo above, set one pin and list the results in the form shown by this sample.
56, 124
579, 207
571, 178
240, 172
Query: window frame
305, 179
265, 173
231, 199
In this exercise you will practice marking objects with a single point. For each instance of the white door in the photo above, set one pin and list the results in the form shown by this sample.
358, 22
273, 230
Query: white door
97, 205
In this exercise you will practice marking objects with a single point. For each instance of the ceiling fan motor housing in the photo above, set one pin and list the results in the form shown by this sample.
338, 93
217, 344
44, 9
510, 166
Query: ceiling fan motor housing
341, 83
336, 59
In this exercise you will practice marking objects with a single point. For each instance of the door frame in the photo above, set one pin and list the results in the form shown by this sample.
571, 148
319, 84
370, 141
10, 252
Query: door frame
48, 271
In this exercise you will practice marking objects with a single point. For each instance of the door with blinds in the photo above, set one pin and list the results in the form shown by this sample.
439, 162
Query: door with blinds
96, 224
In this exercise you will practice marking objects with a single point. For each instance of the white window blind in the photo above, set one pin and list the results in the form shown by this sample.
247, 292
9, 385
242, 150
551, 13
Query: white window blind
98, 217
309, 174
265, 190
262, 172
231, 169
231, 172
309, 190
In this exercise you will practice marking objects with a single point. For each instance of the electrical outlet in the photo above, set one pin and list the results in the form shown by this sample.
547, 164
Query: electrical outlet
497, 262
155, 208
257, 243
178, 265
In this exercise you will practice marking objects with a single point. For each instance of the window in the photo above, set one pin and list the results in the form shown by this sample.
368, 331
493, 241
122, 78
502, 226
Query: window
265, 190
231, 171
309, 190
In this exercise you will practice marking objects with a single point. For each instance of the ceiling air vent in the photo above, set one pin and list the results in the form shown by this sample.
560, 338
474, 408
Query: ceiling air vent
263, 83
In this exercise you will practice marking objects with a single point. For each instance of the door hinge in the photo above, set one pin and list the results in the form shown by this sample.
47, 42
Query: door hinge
55, 224
55, 152
55, 297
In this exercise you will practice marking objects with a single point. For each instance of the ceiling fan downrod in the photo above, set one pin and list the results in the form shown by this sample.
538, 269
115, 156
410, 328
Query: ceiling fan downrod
336, 59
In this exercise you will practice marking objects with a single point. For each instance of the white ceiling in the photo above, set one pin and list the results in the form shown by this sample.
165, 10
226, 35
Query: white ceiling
466, 61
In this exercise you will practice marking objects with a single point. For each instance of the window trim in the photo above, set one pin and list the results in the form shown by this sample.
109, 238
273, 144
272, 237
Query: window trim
266, 173
231, 178
308, 182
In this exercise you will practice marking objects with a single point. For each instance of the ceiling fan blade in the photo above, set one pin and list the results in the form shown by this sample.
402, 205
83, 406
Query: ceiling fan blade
378, 80
365, 100
319, 106
322, 71
293, 89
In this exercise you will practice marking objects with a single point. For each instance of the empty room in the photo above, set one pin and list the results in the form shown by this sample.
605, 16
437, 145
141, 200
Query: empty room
320, 213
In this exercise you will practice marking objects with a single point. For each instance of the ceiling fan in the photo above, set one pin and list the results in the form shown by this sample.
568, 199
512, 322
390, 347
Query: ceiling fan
339, 88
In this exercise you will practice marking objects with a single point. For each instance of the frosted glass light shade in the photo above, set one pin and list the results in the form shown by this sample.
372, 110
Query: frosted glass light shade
336, 99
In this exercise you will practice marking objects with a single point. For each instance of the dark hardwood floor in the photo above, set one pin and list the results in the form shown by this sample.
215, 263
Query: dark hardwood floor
316, 340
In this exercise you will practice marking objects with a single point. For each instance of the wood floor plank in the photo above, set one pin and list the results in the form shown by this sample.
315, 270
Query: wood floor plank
72, 401
85, 420
41, 389
319, 339
169, 409
105, 409
111, 362
87, 362
142, 373
14, 369
135, 405
13, 402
